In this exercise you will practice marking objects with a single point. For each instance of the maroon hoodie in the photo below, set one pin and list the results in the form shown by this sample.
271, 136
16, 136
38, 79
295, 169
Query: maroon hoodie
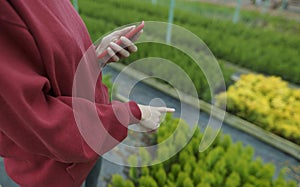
41, 44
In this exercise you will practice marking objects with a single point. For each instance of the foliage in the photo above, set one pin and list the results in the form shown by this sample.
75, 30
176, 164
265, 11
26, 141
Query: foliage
250, 18
147, 181
263, 50
223, 164
165, 52
106, 80
267, 102
118, 181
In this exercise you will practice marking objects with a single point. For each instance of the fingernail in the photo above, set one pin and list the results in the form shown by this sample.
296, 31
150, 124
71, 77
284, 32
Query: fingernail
126, 54
135, 49
123, 38
109, 49
116, 58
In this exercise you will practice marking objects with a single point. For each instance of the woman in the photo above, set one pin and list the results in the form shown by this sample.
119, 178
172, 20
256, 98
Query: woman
41, 44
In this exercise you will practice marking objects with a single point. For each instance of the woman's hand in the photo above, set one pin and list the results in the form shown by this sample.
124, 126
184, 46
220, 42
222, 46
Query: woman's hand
115, 51
151, 116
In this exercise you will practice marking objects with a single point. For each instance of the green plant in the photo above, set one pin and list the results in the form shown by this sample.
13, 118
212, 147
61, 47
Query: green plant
106, 79
223, 164
263, 50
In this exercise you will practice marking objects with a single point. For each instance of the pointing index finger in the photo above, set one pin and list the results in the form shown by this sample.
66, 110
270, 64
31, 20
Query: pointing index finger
166, 109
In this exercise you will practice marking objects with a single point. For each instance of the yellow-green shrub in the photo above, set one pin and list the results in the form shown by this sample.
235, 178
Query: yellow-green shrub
266, 101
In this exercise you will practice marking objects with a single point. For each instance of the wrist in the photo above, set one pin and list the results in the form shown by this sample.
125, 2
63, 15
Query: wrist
145, 112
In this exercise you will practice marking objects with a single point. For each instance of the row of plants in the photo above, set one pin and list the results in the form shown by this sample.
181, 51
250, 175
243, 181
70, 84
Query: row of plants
262, 50
266, 101
223, 164
165, 52
176, 79
251, 18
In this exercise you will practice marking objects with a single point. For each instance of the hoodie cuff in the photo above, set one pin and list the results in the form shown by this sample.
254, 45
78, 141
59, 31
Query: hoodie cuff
135, 114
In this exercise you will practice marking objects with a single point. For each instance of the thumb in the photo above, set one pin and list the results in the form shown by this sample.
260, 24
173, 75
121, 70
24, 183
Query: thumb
125, 30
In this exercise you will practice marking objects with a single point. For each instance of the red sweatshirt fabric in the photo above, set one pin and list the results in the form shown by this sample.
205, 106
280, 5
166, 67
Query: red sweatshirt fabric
41, 44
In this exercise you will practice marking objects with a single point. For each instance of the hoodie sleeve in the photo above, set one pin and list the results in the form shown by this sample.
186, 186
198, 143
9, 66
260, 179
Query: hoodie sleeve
43, 124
